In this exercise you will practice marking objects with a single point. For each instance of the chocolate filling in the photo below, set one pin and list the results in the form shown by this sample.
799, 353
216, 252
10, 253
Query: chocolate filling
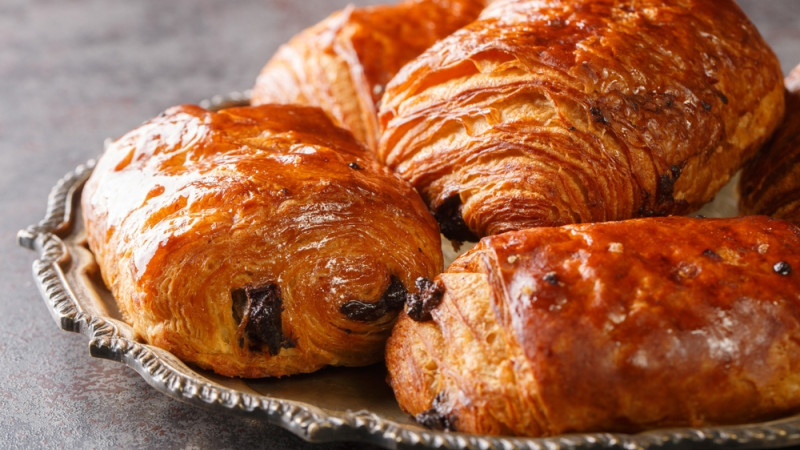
258, 309
392, 300
436, 418
664, 196
428, 296
451, 222
666, 185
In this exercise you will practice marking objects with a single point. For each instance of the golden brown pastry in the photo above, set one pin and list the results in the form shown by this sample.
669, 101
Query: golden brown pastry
258, 241
618, 326
770, 182
343, 63
548, 113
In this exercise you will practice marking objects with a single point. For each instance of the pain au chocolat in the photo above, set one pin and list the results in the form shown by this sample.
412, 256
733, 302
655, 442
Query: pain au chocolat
770, 183
343, 63
543, 113
256, 241
618, 326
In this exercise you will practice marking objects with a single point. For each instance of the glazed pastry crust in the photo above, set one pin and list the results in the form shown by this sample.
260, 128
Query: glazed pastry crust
234, 239
548, 113
619, 326
770, 183
343, 63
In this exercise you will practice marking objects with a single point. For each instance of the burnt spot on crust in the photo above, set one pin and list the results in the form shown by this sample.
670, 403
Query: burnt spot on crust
258, 309
451, 222
392, 299
666, 185
428, 296
436, 418
708, 253
354, 165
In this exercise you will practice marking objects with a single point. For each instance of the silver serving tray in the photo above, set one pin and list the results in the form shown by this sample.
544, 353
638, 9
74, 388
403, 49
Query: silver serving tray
335, 404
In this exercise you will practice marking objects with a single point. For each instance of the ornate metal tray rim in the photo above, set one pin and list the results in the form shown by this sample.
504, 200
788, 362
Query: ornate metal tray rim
109, 338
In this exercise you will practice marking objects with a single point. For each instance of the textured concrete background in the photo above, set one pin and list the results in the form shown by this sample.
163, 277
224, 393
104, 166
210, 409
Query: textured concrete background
74, 72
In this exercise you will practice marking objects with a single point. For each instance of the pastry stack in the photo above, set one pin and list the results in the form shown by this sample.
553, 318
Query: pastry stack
571, 139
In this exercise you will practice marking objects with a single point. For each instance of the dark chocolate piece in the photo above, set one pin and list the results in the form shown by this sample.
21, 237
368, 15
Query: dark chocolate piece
258, 311
436, 417
392, 299
645, 210
428, 296
451, 222
666, 185
665, 188
782, 268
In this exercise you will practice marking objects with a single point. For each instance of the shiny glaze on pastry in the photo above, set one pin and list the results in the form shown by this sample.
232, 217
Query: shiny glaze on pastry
259, 241
770, 183
343, 63
618, 326
548, 113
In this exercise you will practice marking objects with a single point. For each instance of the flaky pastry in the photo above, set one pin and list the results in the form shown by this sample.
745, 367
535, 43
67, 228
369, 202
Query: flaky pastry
543, 113
619, 326
343, 63
256, 241
770, 182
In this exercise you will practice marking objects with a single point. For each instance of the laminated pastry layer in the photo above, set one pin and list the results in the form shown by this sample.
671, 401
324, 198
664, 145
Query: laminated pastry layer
343, 63
549, 113
610, 327
770, 182
257, 241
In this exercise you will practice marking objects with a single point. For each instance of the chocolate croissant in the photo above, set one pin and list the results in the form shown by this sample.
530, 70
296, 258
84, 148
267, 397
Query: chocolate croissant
618, 326
259, 241
343, 63
770, 182
548, 113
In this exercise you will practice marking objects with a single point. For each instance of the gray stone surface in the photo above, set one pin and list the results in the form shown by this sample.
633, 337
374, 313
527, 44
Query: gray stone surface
74, 72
